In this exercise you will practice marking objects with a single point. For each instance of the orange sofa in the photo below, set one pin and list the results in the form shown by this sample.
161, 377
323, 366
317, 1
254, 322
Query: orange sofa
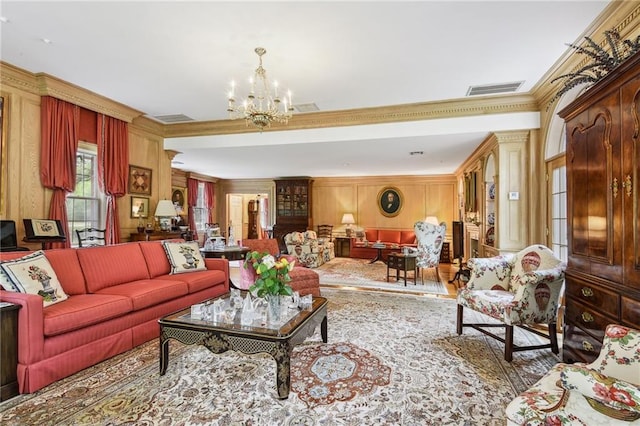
393, 239
116, 294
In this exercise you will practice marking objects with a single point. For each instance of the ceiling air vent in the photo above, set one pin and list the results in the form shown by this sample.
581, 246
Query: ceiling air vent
306, 107
493, 89
172, 118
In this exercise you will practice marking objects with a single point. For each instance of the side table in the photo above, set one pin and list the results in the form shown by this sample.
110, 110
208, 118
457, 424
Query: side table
342, 246
8, 350
404, 263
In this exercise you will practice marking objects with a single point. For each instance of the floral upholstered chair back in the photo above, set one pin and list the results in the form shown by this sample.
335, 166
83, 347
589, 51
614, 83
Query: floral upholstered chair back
430, 238
607, 391
308, 249
533, 278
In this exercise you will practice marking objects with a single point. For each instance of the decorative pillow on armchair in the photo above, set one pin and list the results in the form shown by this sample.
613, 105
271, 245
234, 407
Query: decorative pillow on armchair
184, 257
33, 274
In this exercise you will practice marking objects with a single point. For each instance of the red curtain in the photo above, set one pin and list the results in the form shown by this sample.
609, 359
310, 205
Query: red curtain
113, 163
59, 144
192, 201
209, 200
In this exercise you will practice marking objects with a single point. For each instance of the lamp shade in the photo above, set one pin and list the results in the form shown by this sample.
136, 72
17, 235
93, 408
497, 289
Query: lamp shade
432, 219
347, 219
165, 208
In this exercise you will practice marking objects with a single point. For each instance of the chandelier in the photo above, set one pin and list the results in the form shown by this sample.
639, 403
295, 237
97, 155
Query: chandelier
261, 107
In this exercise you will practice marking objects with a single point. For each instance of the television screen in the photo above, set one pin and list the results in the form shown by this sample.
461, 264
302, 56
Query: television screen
8, 236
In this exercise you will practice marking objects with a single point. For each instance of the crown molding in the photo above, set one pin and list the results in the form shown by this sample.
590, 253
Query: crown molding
623, 16
354, 117
43, 84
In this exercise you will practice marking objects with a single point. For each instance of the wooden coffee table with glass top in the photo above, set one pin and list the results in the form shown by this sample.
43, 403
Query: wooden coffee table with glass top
277, 340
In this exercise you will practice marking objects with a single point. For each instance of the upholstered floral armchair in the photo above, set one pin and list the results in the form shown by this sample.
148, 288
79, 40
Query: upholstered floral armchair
605, 392
519, 289
308, 249
429, 238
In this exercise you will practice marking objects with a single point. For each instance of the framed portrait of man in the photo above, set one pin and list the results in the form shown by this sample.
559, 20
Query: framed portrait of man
390, 201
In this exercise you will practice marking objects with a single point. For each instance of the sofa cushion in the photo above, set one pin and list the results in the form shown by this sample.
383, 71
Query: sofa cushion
407, 237
83, 310
112, 265
145, 293
198, 280
184, 257
389, 236
67, 267
371, 235
156, 258
33, 274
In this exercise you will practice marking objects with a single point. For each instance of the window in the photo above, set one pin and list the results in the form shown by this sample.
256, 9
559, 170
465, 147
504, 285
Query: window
557, 172
200, 212
86, 205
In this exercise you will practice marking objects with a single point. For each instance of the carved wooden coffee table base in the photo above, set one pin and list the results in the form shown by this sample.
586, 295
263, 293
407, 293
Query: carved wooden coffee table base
222, 337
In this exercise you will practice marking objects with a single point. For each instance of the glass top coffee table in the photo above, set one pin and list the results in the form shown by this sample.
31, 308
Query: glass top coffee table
277, 340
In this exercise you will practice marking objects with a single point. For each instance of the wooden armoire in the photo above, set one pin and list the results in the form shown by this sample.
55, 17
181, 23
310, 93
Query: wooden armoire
293, 207
603, 173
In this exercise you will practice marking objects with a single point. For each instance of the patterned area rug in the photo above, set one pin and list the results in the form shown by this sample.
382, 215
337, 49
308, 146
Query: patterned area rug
361, 273
413, 370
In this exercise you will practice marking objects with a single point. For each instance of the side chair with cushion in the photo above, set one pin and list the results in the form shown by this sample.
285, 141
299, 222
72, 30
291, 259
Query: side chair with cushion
520, 289
605, 392
429, 238
325, 231
90, 237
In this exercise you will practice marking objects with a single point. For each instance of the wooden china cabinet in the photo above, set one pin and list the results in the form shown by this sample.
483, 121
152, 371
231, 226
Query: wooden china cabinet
293, 207
603, 180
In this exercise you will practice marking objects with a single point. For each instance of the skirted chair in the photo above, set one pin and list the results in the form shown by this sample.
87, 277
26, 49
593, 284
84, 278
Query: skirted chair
605, 392
308, 249
303, 280
429, 238
520, 289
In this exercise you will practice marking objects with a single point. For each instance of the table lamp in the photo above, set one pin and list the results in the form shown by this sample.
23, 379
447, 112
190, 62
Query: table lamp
164, 212
432, 220
347, 219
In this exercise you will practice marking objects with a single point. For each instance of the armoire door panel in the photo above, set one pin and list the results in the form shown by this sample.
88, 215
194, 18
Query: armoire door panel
630, 95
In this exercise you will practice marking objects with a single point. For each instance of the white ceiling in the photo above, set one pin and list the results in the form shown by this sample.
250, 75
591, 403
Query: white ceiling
171, 57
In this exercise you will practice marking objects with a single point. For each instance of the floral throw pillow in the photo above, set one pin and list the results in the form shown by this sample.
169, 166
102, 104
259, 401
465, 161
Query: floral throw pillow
33, 274
184, 257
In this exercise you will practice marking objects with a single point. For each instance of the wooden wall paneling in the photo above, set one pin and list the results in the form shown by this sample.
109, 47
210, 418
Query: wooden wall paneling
331, 201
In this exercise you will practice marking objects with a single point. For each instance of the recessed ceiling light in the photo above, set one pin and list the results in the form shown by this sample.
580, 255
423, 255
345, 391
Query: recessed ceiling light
46, 41
4, 20
416, 153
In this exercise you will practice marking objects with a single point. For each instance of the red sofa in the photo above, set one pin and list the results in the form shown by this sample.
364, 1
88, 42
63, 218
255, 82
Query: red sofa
116, 294
303, 280
393, 239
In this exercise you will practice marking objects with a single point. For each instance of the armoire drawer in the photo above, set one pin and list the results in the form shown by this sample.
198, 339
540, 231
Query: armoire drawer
578, 346
587, 318
630, 312
604, 300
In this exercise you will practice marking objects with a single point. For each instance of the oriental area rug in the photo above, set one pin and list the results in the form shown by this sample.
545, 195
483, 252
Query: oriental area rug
391, 359
360, 273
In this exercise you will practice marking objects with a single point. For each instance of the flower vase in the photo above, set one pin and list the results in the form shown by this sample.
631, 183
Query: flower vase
273, 303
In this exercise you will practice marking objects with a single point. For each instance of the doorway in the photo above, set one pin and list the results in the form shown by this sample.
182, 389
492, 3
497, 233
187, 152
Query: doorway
239, 219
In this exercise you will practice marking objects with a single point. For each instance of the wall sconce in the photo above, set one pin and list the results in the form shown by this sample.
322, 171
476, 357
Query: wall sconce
347, 219
165, 211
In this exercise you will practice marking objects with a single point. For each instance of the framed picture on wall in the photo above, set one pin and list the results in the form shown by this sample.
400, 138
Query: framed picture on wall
390, 201
179, 199
139, 180
139, 207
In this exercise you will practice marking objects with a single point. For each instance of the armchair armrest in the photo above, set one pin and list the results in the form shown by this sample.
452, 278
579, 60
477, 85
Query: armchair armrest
614, 393
490, 273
